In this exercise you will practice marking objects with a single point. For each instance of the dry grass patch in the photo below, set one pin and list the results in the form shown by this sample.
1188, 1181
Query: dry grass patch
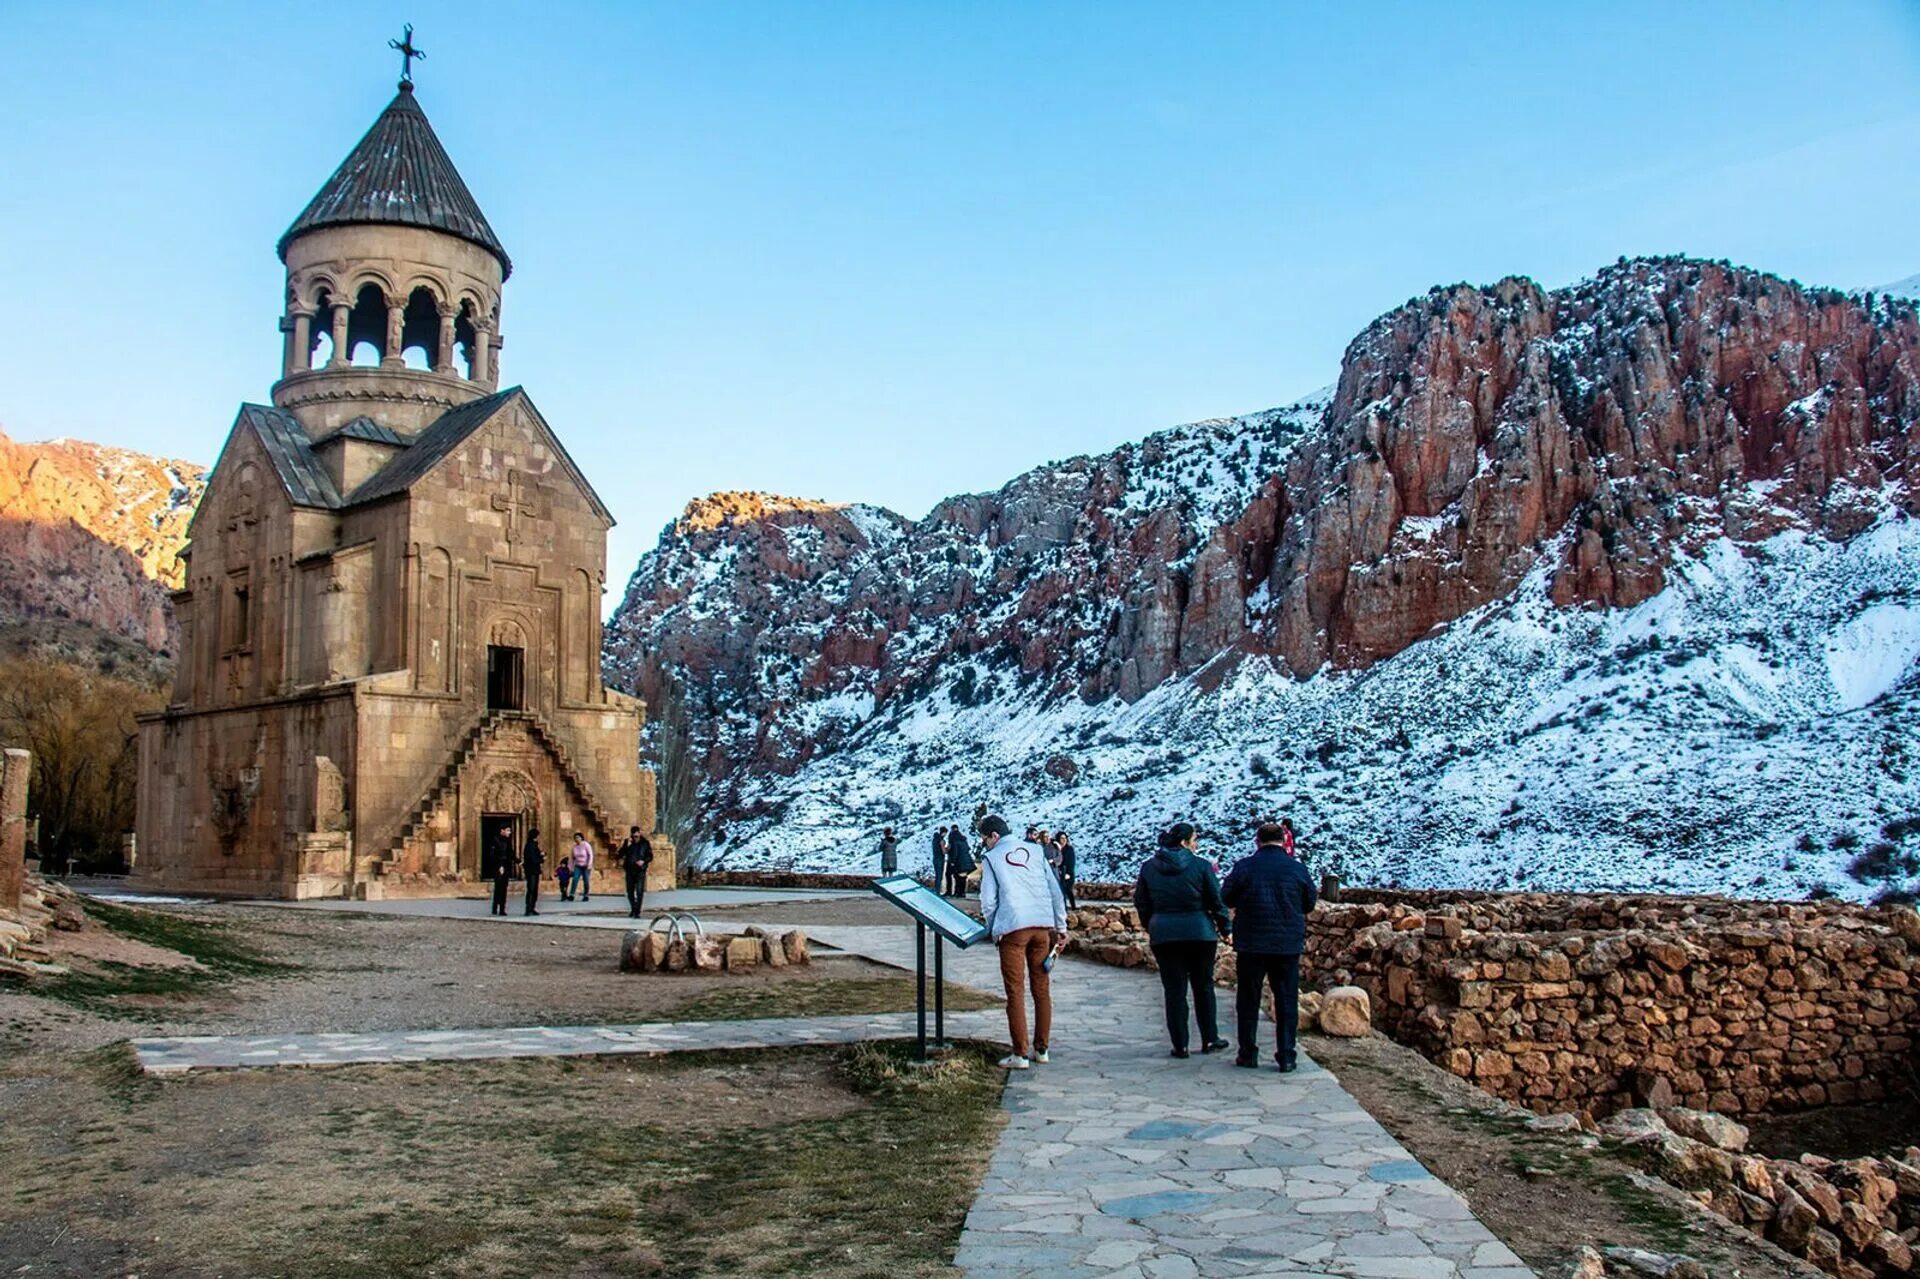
829, 1162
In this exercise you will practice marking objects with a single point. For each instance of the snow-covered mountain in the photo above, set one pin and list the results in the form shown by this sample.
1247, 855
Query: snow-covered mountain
1613, 586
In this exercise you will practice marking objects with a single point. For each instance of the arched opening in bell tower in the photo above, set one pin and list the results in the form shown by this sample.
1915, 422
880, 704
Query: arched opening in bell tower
420, 330
367, 327
319, 351
464, 337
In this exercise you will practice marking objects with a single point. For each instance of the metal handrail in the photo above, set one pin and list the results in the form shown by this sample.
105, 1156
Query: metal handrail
673, 918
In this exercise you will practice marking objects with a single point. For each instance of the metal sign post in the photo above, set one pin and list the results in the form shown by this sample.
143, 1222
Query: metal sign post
948, 923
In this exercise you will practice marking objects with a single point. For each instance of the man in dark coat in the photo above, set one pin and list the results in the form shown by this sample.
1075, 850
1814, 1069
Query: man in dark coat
498, 864
960, 863
1270, 894
635, 856
532, 862
940, 859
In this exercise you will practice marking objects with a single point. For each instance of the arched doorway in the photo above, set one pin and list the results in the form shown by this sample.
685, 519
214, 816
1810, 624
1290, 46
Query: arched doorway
508, 803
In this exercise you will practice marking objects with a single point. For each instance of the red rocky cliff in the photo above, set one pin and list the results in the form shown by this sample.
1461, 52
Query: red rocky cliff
92, 534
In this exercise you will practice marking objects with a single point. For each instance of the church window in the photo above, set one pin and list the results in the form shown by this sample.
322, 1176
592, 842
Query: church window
506, 690
237, 619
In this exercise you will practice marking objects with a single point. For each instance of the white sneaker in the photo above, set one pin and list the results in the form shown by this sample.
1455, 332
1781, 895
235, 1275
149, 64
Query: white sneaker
1041, 1057
1014, 1061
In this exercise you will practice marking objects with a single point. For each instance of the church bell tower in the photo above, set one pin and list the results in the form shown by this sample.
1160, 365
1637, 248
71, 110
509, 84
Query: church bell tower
393, 285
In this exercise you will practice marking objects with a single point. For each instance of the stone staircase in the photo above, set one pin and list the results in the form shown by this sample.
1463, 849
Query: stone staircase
471, 744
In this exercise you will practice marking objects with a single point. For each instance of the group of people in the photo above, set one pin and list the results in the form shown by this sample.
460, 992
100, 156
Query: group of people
954, 862
573, 873
1261, 910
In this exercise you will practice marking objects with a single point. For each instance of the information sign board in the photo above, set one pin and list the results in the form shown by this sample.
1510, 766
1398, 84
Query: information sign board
931, 909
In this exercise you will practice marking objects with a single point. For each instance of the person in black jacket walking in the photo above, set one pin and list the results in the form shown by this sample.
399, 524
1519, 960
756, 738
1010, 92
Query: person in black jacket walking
1271, 894
940, 860
635, 856
1179, 904
532, 862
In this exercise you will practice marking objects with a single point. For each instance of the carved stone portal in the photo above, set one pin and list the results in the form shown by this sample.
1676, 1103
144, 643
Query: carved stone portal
508, 790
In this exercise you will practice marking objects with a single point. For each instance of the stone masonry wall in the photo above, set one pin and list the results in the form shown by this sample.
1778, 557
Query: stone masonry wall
1569, 1003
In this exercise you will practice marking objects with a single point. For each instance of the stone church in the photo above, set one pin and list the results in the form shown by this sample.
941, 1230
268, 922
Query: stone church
390, 628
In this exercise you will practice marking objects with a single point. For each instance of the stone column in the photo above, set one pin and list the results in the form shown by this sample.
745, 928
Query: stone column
15, 768
341, 312
482, 365
443, 354
302, 341
396, 329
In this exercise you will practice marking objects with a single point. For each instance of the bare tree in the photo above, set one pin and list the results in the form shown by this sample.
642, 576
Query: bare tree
79, 724
676, 768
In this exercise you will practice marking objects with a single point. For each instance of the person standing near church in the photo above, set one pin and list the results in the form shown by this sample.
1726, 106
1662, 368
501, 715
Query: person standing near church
889, 852
636, 855
1021, 904
532, 862
582, 859
940, 859
499, 864
563, 876
1271, 894
960, 863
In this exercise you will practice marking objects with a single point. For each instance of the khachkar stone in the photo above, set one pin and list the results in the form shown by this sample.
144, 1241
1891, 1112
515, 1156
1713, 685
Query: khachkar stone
15, 769
390, 626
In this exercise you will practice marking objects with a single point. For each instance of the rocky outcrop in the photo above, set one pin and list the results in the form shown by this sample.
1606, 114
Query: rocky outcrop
1476, 436
1599, 427
92, 534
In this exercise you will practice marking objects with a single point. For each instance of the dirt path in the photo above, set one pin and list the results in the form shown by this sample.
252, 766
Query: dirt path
1543, 1193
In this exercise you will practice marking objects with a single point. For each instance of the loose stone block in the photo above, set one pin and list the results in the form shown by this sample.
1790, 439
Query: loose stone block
1346, 1011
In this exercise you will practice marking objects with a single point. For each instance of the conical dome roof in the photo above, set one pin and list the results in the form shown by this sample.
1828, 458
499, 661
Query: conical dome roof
399, 174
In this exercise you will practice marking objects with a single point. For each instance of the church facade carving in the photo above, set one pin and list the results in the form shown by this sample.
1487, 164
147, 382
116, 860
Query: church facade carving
391, 618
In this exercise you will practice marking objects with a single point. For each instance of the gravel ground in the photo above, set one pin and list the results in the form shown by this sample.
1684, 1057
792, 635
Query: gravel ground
367, 973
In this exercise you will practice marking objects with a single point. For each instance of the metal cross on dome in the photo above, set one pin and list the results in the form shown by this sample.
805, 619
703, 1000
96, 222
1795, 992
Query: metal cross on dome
408, 52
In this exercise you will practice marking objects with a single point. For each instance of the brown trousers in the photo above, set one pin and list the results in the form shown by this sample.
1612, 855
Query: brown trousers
1021, 954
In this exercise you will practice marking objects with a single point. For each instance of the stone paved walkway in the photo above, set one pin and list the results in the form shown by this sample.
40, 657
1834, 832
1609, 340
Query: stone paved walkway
1119, 1161
178, 1055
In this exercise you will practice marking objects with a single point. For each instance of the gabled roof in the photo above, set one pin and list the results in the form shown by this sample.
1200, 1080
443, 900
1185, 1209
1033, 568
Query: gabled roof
399, 174
433, 445
291, 452
287, 444
429, 447
365, 428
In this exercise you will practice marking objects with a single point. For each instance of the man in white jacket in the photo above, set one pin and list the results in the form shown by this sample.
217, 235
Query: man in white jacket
1020, 901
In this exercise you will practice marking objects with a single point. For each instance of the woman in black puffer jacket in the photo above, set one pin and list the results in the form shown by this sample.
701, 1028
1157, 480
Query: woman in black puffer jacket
1178, 898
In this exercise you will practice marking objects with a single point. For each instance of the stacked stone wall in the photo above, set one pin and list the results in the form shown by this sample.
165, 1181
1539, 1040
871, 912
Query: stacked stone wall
1569, 1003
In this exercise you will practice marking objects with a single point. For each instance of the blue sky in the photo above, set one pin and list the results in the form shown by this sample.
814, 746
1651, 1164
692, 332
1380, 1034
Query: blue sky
887, 252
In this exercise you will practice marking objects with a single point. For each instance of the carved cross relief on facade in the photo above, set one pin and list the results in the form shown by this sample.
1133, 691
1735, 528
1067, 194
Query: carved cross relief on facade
520, 502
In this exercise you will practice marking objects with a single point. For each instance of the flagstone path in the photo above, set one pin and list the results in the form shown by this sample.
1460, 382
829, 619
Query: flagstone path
1116, 1160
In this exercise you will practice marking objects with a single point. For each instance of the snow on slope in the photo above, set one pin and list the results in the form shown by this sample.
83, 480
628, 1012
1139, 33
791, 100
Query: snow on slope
1757, 716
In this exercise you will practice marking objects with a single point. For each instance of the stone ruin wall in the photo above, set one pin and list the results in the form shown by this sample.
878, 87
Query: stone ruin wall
1596, 1003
